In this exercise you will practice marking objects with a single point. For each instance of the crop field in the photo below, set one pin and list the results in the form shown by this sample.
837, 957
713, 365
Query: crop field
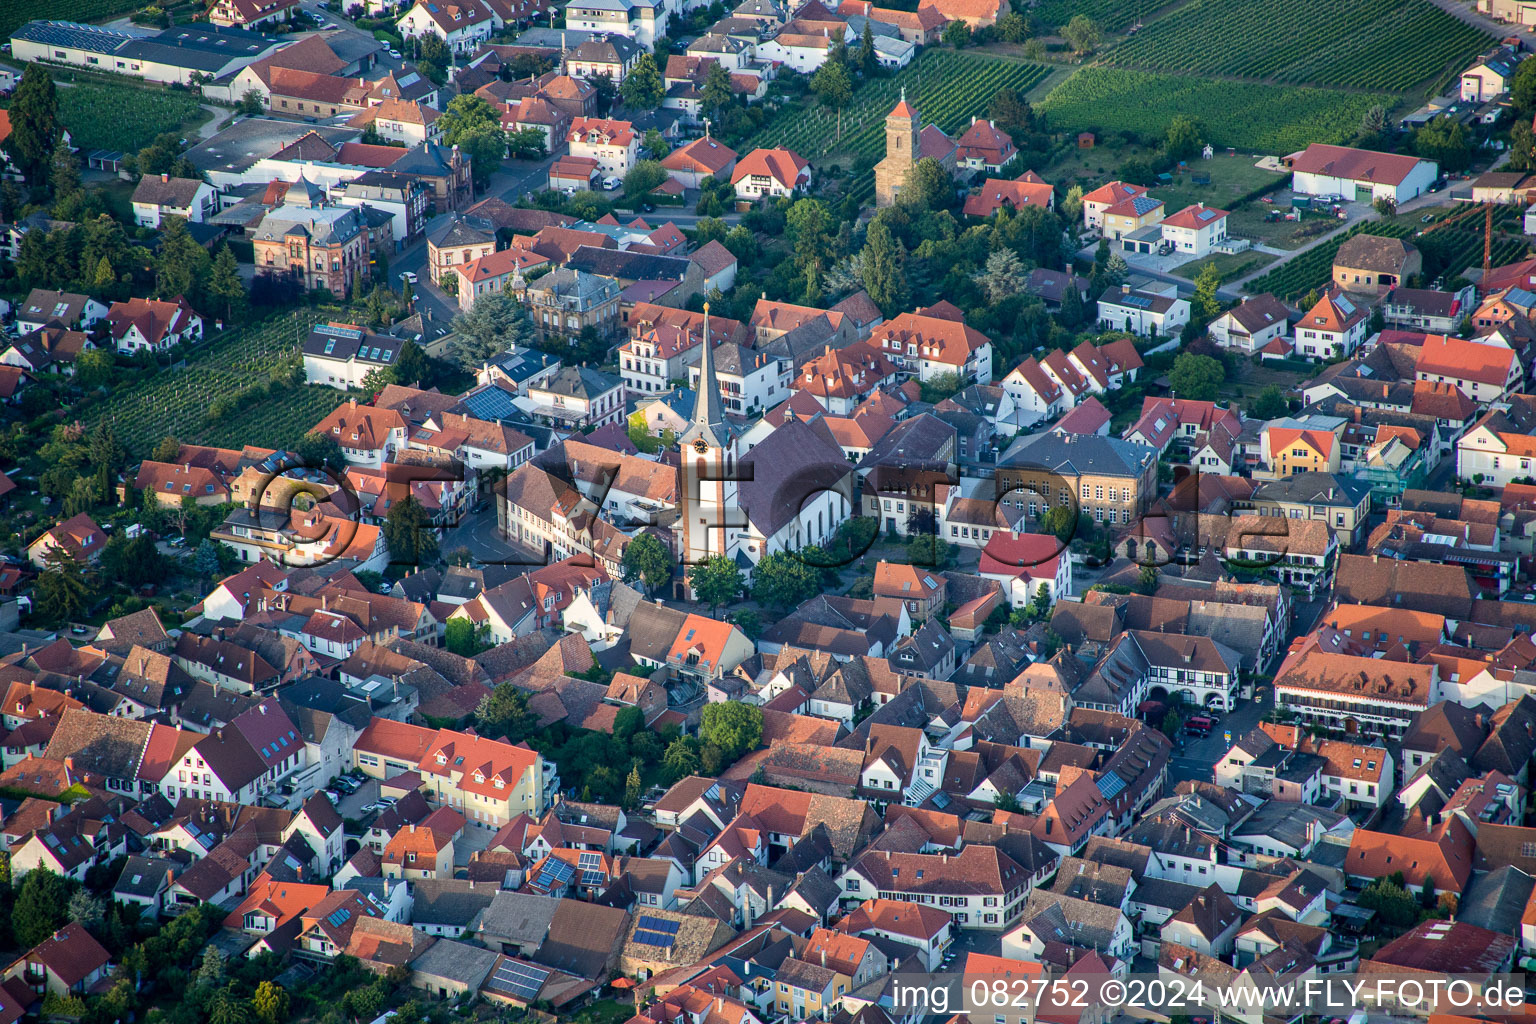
1247, 116
15, 14
949, 88
1386, 45
1110, 15
251, 368
122, 118
1447, 252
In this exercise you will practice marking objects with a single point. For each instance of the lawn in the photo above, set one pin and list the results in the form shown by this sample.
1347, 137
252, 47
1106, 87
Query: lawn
123, 117
1234, 176
251, 367
1388, 45
1231, 266
1247, 116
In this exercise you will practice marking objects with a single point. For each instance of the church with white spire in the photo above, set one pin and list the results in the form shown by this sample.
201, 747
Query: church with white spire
711, 519
792, 489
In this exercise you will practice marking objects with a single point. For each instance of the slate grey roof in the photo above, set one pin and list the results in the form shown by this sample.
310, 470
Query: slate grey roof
450, 901
456, 961
1334, 490
1079, 454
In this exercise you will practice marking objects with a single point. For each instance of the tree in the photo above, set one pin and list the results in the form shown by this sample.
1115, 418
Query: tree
1196, 377
250, 103
642, 178
1522, 146
928, 186
1072, 204
135, 562
412, 365
783, 581
225, 288
883, 269
1012, 114
64, 172
409, 533
1207, 284
168, 449
493, 325
1444, 140
1081, 33
182, 264
1522, 91
315, 450
472, 124
1061, 521
205, 560
716, 581
957, 34
1183, 138
1072, 312
929, 551
527, 143
1268, 404
35, 129
633, 786
1012, 28
1374, 123
732, 726
808, 223
681, 759
40, 907
1394, 905
656, 145
95, 368
716, 94
461, 637
270, 1003
648, 560
61, 591
867, 62
941, 386
643, 88
504, 712
228, 1008
211, 972
1004, 275
1147, 580
1171, 724
834, 85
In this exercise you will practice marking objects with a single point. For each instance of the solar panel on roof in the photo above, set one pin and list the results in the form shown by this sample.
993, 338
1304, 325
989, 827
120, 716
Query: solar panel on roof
557, 872
519, 979
658, 924
655, 939
589, 860
593, 878
1110, 784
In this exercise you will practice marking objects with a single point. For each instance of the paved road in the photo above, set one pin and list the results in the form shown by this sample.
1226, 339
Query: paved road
1198, 757
478, 533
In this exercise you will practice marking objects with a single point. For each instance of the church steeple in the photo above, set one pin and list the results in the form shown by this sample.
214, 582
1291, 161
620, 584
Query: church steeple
708, 428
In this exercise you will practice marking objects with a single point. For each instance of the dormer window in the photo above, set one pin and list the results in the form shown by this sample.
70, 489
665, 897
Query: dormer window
442, 759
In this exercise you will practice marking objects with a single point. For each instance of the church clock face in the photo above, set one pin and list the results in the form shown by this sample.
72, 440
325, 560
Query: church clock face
701, 446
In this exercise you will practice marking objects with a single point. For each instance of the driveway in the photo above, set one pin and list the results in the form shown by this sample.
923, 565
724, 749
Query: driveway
1197, 759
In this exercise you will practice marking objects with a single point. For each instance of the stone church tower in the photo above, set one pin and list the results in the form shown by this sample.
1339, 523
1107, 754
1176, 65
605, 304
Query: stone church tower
902, 125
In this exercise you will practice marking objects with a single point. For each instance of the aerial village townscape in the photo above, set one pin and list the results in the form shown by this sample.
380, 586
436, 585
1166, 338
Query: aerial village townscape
683, 512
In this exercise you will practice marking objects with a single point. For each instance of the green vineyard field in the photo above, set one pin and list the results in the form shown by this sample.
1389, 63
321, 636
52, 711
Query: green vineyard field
1244, 115
252, 368
1387, 45
949, 89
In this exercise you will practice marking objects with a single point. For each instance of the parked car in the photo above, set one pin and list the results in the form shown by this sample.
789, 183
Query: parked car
611, 183
409, 277
333, 796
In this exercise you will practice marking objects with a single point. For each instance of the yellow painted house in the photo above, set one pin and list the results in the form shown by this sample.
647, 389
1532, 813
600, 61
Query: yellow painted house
1132, 214
1292, 450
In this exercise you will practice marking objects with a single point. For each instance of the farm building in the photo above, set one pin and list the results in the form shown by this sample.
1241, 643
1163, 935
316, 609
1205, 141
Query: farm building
1321, 170
174, 55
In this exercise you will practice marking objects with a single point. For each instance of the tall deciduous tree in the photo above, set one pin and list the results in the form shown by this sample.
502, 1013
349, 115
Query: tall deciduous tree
783, 581
1081, 33
716, 581
647, 559
643, 88
408, 532
883, 269
472, 124
35, 129
834, 85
